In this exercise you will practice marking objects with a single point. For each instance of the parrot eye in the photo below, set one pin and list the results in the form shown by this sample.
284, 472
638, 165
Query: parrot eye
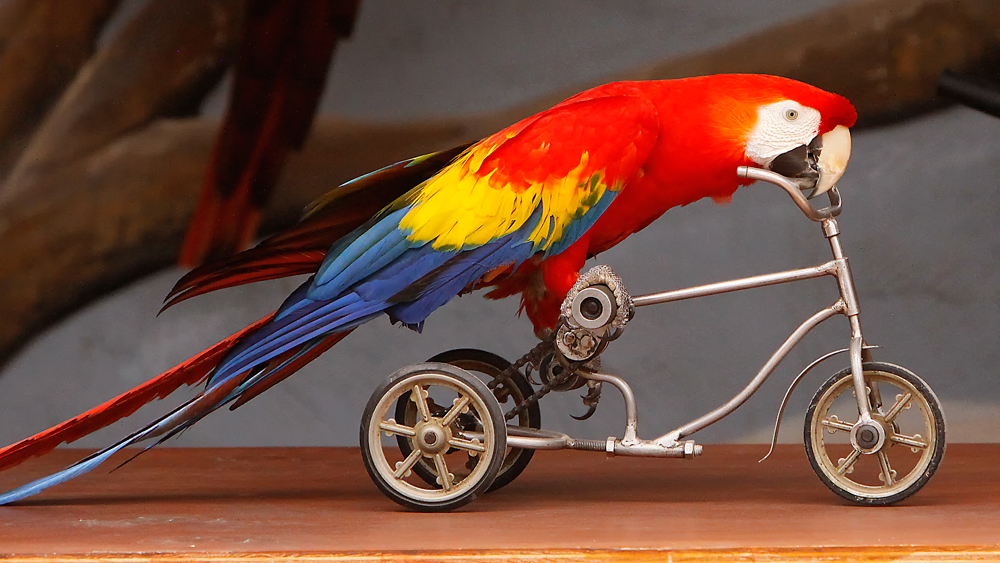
791, 114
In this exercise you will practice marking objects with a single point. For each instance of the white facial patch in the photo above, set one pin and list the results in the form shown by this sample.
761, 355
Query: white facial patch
781, 127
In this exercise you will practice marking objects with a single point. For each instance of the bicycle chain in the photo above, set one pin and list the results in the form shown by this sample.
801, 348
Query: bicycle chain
532, 358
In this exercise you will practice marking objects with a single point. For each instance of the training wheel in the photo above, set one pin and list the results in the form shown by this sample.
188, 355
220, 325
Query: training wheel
458, 429
854, 463
508, 393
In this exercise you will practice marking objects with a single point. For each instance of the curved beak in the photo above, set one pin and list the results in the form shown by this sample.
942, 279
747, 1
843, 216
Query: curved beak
818, 165
835, 151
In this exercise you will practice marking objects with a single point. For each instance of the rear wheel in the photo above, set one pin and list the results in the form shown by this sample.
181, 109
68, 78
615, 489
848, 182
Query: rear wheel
459, 430
508, 393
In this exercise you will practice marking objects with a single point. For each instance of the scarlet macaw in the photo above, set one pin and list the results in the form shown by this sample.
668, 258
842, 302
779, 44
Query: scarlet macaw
518, 212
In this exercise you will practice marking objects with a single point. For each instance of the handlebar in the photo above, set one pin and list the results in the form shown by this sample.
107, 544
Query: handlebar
793, 190
977, 94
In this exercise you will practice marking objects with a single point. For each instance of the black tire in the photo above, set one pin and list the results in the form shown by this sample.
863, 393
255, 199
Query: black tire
441, 435
922, 432
490, 365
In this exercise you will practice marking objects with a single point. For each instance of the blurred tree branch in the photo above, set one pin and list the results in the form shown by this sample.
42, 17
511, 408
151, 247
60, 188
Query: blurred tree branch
161, 64
43, 43
104, 190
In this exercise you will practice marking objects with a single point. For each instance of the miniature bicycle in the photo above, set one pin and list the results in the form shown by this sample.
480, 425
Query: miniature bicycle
874, 432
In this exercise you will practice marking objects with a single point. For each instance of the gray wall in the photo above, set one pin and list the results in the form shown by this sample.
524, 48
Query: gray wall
919, 225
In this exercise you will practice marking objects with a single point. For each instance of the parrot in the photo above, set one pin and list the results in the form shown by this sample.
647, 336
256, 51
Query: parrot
284, 55
516, 213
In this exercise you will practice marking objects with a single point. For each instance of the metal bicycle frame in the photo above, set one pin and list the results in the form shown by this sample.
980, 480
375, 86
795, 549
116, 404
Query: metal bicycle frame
670, 444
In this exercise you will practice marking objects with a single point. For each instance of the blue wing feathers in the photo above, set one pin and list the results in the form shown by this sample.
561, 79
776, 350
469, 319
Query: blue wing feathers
308, 318
407, 285
370, 248
425, 296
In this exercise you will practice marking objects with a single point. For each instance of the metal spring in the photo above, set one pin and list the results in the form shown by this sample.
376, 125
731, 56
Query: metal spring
590, 445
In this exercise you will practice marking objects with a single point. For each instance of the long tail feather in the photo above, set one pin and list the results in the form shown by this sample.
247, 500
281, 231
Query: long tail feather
192, 410
183, 417
190, 372
75, 470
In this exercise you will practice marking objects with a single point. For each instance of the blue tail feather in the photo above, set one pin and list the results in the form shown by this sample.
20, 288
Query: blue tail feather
75, 470
287, 320
293, 338
307, 318
163, 424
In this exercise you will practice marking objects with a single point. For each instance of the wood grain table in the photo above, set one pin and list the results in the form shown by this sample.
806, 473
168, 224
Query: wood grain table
301, 504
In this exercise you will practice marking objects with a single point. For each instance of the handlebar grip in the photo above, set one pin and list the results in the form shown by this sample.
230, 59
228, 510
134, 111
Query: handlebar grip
975, 93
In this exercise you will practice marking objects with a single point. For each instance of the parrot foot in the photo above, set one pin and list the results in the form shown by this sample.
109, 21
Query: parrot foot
598, 300
594, 313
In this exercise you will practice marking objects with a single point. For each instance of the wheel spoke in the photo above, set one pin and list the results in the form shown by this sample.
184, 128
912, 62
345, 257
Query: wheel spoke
456, 409
391, 427
874, 395
912, 441
888, 473
834, 424
403, 467
444, 478
847, 462
901, 403
419, 396
468, 445
503, 391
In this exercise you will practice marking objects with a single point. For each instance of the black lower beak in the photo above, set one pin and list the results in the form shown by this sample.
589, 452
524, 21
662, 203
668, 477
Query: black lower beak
802, 164
820, 164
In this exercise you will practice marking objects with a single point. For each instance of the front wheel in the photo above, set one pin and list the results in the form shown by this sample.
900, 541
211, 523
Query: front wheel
845, 455
459, 429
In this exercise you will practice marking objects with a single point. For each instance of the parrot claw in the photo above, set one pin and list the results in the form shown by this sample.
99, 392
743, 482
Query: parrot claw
590, 412
529, 374
591, 399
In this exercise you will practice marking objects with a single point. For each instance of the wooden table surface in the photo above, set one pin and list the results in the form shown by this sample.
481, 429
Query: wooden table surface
266, 504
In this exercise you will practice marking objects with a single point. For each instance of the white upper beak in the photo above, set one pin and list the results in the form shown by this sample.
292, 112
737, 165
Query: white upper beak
833, 158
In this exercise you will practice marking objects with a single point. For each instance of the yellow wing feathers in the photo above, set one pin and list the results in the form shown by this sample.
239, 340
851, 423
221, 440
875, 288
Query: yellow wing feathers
551, 169
463, 208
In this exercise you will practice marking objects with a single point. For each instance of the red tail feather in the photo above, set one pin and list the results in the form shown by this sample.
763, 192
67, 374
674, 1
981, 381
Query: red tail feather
190, 372
267, 268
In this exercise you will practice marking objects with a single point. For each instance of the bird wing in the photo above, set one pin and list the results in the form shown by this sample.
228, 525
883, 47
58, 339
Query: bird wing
546, 178
536, 186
